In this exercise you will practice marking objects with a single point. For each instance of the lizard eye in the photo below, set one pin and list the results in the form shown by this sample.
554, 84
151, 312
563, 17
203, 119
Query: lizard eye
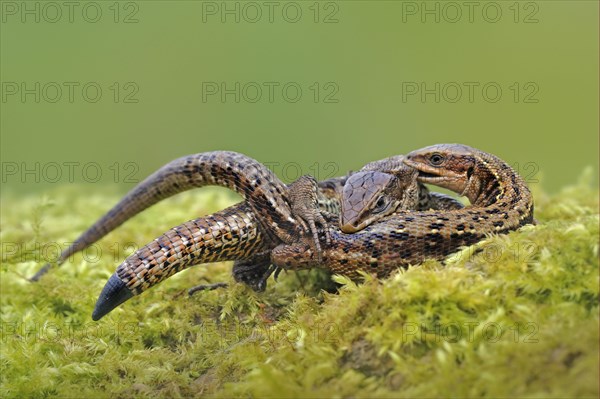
436, 159
380, 205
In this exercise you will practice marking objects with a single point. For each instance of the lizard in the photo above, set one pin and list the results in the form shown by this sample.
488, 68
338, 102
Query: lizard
190, 244
500, 202
116, 291
260, 187
382, 187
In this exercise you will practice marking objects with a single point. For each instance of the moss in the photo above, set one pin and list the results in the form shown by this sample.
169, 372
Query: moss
515, 315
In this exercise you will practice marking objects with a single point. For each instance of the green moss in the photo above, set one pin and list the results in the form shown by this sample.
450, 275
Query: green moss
515, 315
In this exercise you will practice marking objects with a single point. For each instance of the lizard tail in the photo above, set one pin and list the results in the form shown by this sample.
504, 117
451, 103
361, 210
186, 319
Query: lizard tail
114, 293
226, 235
238, 172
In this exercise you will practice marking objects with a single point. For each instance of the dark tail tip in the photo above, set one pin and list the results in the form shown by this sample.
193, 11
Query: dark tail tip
114, 293
40, 273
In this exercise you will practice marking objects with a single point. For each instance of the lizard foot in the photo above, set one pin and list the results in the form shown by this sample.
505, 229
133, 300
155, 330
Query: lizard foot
255, 271
206, 287
303, 194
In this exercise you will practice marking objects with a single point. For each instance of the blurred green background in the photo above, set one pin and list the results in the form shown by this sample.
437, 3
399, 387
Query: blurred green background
361, 66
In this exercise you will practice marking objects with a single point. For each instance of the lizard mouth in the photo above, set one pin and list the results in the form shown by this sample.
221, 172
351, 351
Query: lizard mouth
440, 177
428, 176
350, 227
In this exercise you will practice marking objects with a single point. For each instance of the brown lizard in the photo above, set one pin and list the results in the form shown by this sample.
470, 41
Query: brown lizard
186, 252
371, 195
235, 236
500, 202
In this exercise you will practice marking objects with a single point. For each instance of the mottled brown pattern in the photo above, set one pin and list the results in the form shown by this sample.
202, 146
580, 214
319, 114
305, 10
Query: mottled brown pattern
371, 196
259, 186
252, 266
227, 235
500, 202
232, 234
279, 226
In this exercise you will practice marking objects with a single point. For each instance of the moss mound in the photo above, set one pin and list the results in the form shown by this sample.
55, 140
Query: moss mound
515, 315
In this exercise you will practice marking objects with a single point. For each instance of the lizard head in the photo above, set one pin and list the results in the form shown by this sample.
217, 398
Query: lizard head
450, 166
370, 196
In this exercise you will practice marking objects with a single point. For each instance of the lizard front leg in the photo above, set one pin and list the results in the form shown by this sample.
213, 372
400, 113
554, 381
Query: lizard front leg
304, 200
255, 271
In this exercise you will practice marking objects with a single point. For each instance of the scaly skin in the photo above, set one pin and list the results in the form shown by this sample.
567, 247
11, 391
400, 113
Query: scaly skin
191, 243
401, 239
234, 233
259, 186
500, 202
371, 196
230, 234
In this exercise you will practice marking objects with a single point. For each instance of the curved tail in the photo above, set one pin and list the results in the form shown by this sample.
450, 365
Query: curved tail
226, 235
244, 175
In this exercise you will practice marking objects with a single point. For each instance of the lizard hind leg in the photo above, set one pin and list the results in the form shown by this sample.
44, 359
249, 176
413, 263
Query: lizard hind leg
254, 271
206, 287
248, 271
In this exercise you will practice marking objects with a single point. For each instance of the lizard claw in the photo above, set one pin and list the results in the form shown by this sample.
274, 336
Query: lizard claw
274, 270
303, 195
277, 272
206, 287
255, 271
